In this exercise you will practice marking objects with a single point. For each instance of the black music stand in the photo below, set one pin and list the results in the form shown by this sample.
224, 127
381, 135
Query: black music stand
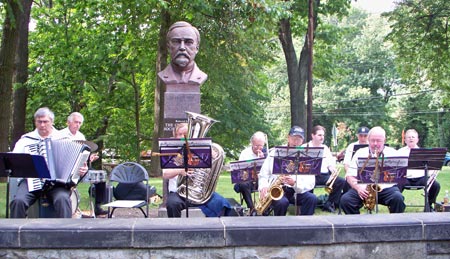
246, 170
392, 170
194, 153
297, 161
21, 165
356, 147
426, 159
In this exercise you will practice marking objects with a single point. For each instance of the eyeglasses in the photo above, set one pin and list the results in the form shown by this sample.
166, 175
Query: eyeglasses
42, 121
257, 145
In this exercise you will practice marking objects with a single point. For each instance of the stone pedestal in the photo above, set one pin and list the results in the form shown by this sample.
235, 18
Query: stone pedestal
178, 99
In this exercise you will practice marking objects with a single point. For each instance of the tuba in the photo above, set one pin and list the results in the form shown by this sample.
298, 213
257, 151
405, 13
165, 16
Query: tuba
202, 183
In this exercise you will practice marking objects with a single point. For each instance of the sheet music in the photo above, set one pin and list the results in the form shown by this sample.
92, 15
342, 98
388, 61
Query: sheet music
242, 171
392, 170
297, 160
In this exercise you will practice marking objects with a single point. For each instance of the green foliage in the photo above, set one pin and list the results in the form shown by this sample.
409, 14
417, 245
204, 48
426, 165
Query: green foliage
419, 33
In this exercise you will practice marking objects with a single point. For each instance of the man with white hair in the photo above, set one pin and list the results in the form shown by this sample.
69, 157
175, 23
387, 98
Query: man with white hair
389, 195
416, 177
254, 151
72, 131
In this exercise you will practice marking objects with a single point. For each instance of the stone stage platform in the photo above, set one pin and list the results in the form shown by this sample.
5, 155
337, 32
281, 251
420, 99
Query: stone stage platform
409, 235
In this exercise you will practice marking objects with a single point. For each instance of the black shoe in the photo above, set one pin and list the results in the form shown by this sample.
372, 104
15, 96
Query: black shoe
328, 207
99, 211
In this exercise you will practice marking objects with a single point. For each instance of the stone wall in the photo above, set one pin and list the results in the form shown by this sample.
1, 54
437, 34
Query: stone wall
412, 235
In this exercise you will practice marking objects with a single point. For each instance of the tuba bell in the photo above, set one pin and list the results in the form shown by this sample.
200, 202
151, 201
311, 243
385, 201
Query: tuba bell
202, 183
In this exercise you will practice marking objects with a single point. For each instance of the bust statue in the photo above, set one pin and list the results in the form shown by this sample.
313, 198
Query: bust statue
183, 41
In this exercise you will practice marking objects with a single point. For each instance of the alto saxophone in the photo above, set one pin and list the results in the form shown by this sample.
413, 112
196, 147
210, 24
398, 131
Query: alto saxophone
275, 193
373, 189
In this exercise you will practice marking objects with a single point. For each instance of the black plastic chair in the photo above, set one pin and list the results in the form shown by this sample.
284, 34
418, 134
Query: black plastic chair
128, 173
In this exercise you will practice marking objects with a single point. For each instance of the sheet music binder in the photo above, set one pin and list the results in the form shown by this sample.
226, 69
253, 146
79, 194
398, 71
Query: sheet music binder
247, 170
174, 149
392, 170
297, 160
23, 165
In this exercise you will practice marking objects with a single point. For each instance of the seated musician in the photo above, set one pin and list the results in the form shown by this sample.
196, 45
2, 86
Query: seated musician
291, 187
59, 195
216, 206
327, 169
257, 141
417, 177
74, 122
349, 151
389, 195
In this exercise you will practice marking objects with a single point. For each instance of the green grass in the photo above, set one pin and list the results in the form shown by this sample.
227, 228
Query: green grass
225, 188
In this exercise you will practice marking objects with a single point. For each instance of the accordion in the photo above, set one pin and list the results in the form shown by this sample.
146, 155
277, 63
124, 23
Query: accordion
64, 158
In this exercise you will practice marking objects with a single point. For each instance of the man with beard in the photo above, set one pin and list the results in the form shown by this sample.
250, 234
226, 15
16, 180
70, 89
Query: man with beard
183, 41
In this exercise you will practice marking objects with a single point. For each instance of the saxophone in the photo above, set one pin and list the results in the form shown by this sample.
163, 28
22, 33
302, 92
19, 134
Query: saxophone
373, 189
275, 193
201, 184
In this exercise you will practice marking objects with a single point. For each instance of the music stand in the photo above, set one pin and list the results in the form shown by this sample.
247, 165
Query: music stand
356, 147
425, 159
21, 165
391, 170
185, 153
245, 170
297, 161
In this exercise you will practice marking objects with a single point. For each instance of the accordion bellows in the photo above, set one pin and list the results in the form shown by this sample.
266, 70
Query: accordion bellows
65, 157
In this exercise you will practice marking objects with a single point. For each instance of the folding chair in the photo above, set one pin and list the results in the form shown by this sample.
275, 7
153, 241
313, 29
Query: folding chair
128, 173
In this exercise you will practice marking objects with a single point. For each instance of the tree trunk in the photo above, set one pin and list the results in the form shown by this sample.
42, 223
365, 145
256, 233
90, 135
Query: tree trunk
7, 55
297, 71
158, 130
296, 76
21, 75
137, 115
101, 131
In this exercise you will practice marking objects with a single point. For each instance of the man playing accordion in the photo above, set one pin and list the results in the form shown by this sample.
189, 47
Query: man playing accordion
31, 143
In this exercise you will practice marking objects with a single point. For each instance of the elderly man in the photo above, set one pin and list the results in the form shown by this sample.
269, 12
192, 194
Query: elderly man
74, 122
416, 177
58, 194
183, 42
254, 151
389, 195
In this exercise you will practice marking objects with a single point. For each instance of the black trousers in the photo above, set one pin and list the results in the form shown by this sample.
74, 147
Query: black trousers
58, 195
246, 188
422, 181
351, 203
335, 196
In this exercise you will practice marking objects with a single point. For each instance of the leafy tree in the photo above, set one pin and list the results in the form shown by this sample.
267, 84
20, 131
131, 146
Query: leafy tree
420, 38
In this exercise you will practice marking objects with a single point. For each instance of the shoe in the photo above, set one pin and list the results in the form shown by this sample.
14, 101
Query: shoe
328, 207
99, 211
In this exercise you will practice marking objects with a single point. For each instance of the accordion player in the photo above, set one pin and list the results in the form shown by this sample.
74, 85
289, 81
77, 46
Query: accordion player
64, 158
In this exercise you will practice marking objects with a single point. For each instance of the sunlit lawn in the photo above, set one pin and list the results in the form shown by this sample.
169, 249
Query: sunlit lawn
225, 188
